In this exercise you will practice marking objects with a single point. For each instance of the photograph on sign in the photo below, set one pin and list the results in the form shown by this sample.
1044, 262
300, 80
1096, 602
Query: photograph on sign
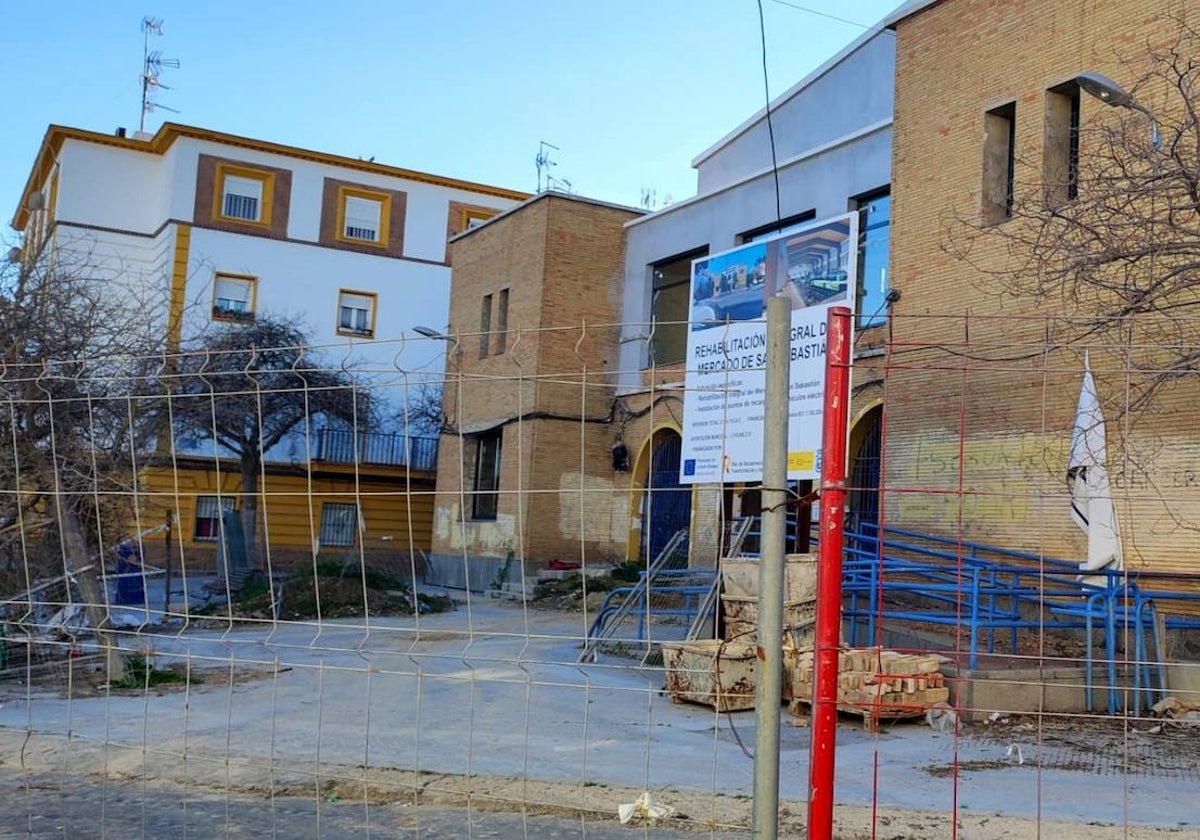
814, 267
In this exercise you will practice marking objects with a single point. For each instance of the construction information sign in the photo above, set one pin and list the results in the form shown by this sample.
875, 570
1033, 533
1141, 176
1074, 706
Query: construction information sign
815, 267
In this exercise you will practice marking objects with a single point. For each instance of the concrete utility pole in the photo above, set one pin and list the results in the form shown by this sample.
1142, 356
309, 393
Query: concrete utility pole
768, 689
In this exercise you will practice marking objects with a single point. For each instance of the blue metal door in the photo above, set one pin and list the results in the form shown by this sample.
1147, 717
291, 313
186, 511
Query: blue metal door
666, 503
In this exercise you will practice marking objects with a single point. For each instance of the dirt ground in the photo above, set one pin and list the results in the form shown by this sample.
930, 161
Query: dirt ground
1095, 744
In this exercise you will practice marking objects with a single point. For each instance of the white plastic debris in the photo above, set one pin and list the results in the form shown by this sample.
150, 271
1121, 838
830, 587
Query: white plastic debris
644, 808
994, 716
1015, 750
942, 718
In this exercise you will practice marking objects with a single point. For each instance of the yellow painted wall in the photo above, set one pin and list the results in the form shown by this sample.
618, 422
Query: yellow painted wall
397, 510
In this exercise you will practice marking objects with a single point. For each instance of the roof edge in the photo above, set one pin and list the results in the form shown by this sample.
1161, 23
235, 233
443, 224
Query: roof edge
169, 132
789, 94
538, 197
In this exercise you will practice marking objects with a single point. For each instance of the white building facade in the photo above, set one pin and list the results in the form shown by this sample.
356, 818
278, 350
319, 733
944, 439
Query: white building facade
215, 227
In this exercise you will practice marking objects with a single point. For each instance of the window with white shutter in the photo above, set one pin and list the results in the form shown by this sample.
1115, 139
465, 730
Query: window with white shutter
362, 216
356, 313
242, 198
208, 516
233, 297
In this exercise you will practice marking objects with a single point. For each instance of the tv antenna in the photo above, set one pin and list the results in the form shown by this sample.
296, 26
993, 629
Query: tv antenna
544, 163
153, 64
649, 195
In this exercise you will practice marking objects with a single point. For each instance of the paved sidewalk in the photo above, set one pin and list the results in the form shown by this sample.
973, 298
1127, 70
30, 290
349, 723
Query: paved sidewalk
493, 690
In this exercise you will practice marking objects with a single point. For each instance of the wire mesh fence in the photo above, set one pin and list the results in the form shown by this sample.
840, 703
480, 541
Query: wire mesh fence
243, 593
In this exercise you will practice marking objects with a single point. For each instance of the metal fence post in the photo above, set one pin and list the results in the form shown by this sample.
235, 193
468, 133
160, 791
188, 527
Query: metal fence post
768, 690
829, 574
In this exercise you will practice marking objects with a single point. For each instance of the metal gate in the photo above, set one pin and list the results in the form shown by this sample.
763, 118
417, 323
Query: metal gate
666, 503
864, 476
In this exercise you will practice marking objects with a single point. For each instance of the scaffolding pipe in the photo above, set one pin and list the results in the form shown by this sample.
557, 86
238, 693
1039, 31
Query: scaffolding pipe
768, 689
829, 574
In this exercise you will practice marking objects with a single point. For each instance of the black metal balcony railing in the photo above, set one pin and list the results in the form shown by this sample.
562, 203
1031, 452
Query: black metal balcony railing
339, 446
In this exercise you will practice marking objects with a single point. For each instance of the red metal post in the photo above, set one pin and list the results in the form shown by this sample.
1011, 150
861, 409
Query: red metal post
829, 573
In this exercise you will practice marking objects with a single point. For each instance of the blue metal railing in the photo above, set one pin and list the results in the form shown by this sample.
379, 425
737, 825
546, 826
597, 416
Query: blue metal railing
984, 589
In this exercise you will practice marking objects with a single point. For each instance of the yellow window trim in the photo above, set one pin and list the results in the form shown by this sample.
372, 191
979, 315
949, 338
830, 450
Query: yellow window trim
166, 136
468, 215
337, 312
253, 302
268, 193
385, 215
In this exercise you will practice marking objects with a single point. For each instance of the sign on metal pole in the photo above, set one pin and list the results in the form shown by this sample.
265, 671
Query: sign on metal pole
814, 268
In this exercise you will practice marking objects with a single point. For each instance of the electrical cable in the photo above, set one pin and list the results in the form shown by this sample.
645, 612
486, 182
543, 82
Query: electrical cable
762, 31
821, 14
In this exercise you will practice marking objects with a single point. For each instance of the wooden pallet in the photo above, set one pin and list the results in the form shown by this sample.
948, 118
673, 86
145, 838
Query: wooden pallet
875, 684
872, 716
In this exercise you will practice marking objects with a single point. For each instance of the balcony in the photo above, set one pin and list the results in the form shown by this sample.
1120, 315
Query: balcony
340, 446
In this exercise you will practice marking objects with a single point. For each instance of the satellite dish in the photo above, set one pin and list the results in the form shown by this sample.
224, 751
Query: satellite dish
36, 202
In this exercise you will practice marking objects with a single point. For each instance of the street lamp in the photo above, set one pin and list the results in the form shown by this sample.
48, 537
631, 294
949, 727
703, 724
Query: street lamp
1111, 93
455, 348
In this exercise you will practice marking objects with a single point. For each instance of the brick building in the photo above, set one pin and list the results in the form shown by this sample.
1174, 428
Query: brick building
569, 325
988, 142
525, 472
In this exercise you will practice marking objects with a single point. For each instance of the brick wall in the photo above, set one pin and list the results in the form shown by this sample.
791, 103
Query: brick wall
978, 428
561, 261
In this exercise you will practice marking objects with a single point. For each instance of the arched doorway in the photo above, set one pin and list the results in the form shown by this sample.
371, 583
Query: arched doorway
866, 444
666, 503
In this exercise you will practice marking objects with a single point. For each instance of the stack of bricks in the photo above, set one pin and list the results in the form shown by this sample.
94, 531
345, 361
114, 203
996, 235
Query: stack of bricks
875, 683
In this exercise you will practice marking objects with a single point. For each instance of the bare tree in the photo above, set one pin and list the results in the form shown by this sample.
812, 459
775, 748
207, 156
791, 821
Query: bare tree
247, 387
77, 402
1115, 243
422, 414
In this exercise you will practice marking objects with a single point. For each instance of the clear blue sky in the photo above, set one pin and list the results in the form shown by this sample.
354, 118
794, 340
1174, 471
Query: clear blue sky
629, 90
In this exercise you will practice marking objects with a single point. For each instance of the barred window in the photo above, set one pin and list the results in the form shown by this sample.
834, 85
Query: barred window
338, 523
242, 198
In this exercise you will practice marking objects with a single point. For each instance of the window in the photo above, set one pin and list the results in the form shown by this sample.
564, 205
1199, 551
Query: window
999, 163
243, 195
670, 307
502, 321
338, 521
1060, 161
234, 297
485, 325
208, 516
363, 216
788, 225
356, 313
486, 486
474, 218
874, 236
